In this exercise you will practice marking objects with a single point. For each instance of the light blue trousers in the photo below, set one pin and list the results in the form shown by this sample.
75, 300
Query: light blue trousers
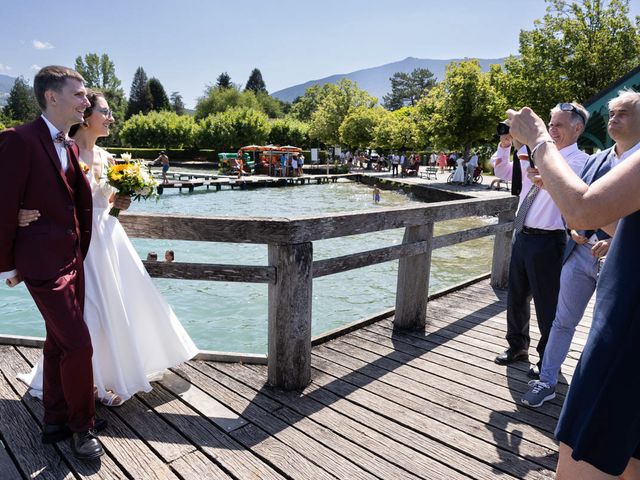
577, 284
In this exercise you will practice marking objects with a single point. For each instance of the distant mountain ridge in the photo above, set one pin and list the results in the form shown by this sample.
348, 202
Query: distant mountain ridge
6, 83
375, 80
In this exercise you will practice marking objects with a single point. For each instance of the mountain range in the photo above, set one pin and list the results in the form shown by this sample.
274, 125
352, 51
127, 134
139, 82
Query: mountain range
375, 80
6, 82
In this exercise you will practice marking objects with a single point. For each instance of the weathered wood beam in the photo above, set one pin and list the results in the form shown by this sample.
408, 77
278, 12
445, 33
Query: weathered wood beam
205, 271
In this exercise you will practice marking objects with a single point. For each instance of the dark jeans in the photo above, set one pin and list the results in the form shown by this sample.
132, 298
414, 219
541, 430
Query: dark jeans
536, 263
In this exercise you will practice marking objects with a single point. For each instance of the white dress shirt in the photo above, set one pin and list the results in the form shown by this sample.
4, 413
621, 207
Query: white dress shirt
62, 152
543, 213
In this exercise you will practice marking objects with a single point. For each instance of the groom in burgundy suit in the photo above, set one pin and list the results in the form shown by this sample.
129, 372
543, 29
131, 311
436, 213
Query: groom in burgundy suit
41, 172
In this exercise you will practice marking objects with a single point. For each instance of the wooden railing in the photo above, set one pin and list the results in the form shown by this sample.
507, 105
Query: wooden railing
290, 268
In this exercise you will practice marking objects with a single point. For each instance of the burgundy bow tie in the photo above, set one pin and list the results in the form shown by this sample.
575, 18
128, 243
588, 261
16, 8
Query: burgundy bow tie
62, 138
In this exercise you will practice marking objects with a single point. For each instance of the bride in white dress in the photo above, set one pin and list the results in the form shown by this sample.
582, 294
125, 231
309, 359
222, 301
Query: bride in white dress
134, 332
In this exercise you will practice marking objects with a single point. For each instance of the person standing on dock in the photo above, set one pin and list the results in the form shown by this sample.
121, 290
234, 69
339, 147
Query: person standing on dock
585, 250
42, 171
164, 160
539, 239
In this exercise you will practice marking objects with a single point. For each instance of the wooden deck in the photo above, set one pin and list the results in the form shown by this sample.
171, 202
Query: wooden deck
382, 404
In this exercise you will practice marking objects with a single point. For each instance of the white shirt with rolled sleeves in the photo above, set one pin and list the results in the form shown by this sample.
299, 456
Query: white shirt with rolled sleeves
543, 214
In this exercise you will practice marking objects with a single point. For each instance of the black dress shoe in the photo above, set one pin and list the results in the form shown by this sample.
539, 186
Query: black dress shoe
510, 356
55, 433
534, 372
85, 446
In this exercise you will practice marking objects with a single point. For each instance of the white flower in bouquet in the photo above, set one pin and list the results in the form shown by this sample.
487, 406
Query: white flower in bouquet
126, 157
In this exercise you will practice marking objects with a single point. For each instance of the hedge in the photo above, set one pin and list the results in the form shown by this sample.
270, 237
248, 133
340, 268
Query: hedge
176, 154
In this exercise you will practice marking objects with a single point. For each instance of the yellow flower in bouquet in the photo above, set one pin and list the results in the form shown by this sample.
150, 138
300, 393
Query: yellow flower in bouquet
130, 179
84, 167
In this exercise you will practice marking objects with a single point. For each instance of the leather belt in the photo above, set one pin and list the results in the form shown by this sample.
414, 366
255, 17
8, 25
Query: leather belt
540, 231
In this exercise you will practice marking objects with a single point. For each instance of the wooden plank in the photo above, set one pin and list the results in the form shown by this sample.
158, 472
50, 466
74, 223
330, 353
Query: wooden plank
344, 263
12, 363
212, 272
196, 466
209, 407
289, 342
454, 238
382, 446
21, 340
218, 447
305, 229
419, 375
162, 438
413, 281
270, 435
502, 253
7, 468
426, 417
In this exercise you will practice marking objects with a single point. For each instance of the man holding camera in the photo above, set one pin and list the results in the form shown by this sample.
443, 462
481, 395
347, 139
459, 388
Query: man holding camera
539, 238
585, 249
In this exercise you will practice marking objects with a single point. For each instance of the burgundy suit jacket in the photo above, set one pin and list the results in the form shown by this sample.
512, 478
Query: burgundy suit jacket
32, 178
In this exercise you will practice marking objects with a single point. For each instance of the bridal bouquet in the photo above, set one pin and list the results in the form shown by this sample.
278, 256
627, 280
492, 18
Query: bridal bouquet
129, 178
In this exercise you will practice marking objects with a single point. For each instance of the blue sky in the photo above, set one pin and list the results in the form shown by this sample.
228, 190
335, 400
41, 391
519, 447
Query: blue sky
187, 44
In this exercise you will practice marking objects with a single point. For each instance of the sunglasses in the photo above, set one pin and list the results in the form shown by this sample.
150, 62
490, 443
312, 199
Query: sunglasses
568, 107
107, 112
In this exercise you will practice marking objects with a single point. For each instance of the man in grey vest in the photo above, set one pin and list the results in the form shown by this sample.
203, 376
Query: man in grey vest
581, 259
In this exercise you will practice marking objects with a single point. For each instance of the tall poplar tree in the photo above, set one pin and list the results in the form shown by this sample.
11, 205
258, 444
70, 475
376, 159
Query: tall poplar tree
21, 104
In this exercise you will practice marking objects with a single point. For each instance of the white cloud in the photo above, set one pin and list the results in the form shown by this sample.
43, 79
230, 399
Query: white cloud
38, 45
35, 67
5, 68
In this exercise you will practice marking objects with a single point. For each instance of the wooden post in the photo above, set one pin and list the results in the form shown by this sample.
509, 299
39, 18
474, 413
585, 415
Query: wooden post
413, 281
502, 253
289, 351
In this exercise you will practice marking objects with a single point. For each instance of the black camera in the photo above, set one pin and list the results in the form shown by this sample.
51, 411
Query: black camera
502, 129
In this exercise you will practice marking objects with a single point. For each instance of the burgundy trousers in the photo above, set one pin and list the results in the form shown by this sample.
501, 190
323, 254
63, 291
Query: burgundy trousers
68, 375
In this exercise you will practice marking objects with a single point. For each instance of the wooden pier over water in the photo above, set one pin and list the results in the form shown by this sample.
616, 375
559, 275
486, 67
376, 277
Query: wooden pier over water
412, 393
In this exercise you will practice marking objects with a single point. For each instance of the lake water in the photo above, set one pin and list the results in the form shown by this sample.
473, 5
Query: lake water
232, 317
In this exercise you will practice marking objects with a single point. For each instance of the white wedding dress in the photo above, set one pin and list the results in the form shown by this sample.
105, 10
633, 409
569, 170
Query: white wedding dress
134, 332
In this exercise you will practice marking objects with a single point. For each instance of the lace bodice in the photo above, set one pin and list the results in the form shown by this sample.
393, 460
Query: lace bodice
100, 189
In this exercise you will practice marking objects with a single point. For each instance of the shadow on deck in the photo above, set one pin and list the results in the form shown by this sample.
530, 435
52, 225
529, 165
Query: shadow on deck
382, 404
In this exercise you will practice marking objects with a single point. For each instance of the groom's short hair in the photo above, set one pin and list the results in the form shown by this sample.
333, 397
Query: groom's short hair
52, 77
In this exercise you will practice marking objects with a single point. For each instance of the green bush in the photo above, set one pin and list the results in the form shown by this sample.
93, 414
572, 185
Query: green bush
158, 129
288, 131
232, 129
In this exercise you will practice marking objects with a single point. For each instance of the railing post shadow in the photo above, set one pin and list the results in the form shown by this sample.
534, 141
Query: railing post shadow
289, 349
502, 253
413, 280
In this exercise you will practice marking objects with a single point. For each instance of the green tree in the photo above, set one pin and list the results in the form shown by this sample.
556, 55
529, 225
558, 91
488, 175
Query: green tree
233, 129
159, 99
159, 130
255, 82
99, 72
398, 130
358, 129
140, 100
343, 97
462, 110
273, 107
408, 88
219, 99
21, 105
305, 105
224, 80
574, 51
289, 131
177, 105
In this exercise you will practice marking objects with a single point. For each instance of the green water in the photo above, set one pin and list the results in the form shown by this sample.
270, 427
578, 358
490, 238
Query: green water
233, 316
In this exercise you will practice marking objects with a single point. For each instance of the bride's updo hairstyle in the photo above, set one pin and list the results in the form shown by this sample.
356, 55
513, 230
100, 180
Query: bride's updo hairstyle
92, 96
